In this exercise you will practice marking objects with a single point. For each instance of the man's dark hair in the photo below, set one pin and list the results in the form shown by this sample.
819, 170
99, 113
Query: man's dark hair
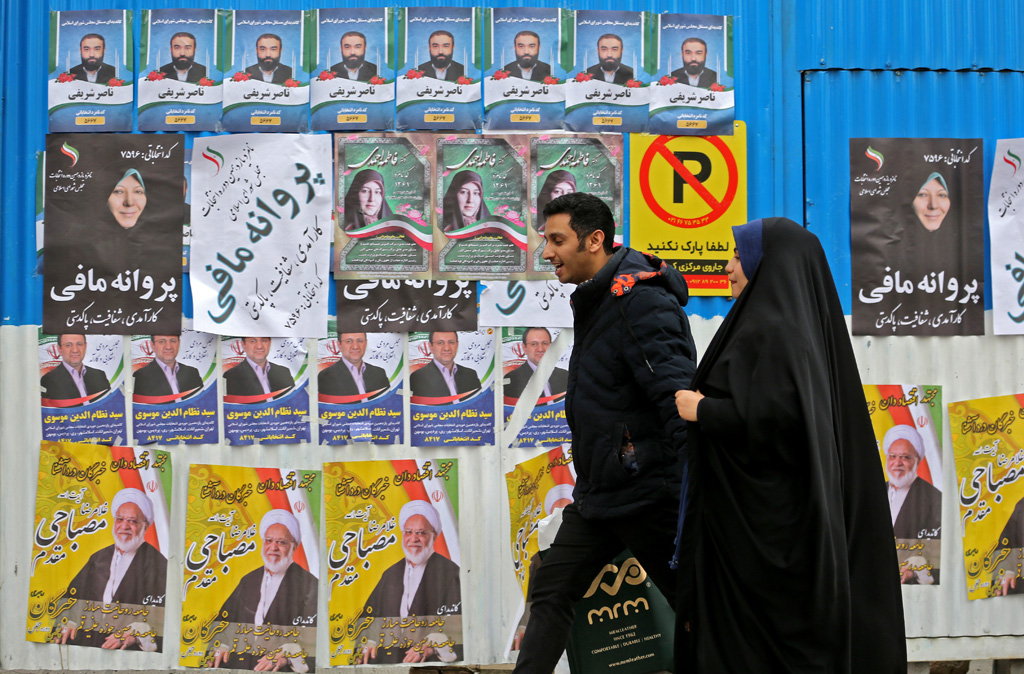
434, 332
184, 34
60, 337
442, 32
587, 214
529, 330
610, 35
353, 33
270, 35
93, 36
529, 33
694, 39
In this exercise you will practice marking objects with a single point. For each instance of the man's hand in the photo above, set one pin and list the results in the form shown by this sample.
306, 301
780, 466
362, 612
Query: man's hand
67, 634
1008, 583
270, 664
115, 642
413, 655
220, 658
686, 404
369, 653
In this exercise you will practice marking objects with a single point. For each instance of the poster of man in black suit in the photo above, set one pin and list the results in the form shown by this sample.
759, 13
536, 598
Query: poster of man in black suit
72, 378
139, 573
914, 503
256, 375
353, 64
536, 342
441, 44
528, 65
268, 67
183, 53
441, 377
693, 71
92, 47
351, 375
280, 592
609, 67
164, 375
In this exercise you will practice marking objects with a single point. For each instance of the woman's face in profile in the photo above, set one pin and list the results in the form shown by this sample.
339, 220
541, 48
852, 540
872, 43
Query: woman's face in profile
469, 201
127, 201
371, 196
737, 279
931, 204
564, 187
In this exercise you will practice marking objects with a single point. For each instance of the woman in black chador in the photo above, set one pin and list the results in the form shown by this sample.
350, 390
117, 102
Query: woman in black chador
787, 557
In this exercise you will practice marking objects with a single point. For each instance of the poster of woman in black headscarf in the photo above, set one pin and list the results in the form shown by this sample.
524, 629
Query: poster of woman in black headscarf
916, 216
112, 237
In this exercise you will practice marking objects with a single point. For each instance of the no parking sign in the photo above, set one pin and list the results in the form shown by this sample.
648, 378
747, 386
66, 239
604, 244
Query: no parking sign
686, 192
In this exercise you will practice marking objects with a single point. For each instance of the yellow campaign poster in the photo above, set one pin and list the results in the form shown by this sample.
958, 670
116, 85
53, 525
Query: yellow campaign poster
989, 464
252, 563
393, 561
99, 556
686, 192
907, 421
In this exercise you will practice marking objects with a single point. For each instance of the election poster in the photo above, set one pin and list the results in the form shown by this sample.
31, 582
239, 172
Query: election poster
266, 74
82, 382
692, 92
536, 487
524, 82
1006, 230
404, 306
180, 86
186, 235
98, 575
112, 264
916, 239
359, 376
907, 421
266, 390
564, 164
379, 516
482, 229
91, 71
451, 383
439, 55
609, 85
252, 568
514, 303
989, 459
522, 353
261, 230
174, 394
383, 220
353, 86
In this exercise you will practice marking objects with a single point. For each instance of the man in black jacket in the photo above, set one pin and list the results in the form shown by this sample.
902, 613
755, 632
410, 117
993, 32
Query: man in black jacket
528, 65
256, 374
183, 66
609, 67
92, 68
632, 351
441, 377
353, 64
164, 375
441, 65
693, 72
268, 66
535, 342
351, 375
72, 379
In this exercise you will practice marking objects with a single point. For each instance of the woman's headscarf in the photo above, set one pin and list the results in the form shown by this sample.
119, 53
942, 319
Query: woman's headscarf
544, 198
354, 218
453, 219
748, 246
135, 174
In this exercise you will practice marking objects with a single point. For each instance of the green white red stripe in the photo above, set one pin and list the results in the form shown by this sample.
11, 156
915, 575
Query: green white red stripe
216, 157
418, 232
70, 152
875, 155
1014, 162
514, 233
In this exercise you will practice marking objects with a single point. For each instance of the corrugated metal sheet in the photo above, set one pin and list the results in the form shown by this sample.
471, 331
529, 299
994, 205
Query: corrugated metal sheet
951, 35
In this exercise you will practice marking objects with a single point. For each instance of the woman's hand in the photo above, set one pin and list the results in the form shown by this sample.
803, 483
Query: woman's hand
686, 403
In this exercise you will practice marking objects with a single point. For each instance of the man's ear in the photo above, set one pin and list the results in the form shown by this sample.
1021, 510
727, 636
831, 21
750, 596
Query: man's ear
595, 241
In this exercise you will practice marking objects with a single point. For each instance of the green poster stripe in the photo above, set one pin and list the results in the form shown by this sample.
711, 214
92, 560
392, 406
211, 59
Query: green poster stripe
166, 474
315, 498
309, 60
390, 56
225, 27
400, 37
129, 49
488, 29
144, 41
54, 22
567, 56
728, 46
149, 106
651, 42
452, 486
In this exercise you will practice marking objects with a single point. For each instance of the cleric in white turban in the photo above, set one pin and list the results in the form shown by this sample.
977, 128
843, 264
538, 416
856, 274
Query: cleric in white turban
423, 583
914, 503
280, 592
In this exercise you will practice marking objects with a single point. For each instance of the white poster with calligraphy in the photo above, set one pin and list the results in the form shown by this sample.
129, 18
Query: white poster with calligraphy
261, 226
1006, 229
518, 304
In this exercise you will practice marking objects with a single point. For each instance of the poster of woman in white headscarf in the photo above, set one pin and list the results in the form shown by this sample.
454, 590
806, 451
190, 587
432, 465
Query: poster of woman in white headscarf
916, 218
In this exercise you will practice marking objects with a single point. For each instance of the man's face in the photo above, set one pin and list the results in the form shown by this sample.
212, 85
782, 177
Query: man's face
278, 548
563, 250
129, 524
536, 344
353, 346
441, 47
417, 539
165, 348
609, 53
268, 53
72, 350
183, 52
444, 347
353, 52
257, 349
527, 49
92, 53
694, 56
901, 463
